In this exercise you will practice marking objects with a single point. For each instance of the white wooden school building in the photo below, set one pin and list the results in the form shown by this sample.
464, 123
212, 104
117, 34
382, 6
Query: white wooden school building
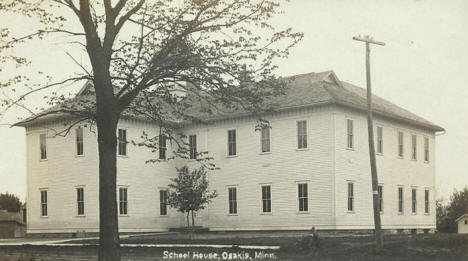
310, 169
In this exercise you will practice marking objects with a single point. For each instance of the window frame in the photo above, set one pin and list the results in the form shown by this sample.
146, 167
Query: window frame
122, 143
43, 146
350, 134
79, 142
78, 201
401, 144
426, 150
123, 202
266, 199
44, 209
301, 126
163, 202
414, 201
380, 140
192, 146
304, 199
414, 147
232, 199
265, 139
427, 200
232, 145
401, 200
162, 147
381, 201
350, 197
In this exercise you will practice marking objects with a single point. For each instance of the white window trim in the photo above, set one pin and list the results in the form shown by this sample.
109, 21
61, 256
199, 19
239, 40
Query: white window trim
353, 145
261, 144
353, 211
383, 194
46, 146
415, 154
297, 196
158, 191
40, 202
416, 200
118, 200
82, 142
227, 143
402, 212
237, 200
197, 145
428, 213
118, 142
428, 149
271, 198
297, 135
377, 139
402, 156
84, 209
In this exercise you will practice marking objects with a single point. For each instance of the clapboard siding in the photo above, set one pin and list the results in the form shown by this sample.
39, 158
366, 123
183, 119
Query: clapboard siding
353, 165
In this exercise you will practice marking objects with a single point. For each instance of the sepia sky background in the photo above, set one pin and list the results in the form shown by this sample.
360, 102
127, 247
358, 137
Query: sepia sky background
423, 68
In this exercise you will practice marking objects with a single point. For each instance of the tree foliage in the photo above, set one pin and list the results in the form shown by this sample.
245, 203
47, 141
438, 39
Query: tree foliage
10, 202
447, 214
189, 192
145, 58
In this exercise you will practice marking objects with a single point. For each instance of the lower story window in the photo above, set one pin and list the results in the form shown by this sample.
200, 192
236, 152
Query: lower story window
350, 196
266, 199
426, 201
123, 201
163, 202
80, 201
43, 203
303, 197
232, 194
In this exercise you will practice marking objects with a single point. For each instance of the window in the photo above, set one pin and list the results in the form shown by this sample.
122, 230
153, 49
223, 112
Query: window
266, 199
193, 146
380, 190
163, 202
413, 201
232, 200
122, 142
80, 201
43, 203
400, 144
413, 147
426, 201
266, 139
400, 200
303, 197
426, 149
79, 141
302, 134
43, 145
162, 146
350, 134
379, 140
350, 197
123, 201
232, 142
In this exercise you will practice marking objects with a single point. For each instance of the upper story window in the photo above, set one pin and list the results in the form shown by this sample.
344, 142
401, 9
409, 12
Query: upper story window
193, 146
123, 201
426, 149
400, 200
266, 199
232, 142
163, 196
350, 196
265, 139
232, 197
426, 201
79, 141
43, 145
380, 191
80, 201
43, 203
303, 197
162, 146
302, 134
122, 138
350, 133
380, 140
413, 147
414, 202
400, 144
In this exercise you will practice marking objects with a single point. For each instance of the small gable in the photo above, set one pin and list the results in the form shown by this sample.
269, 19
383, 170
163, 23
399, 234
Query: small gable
331, 77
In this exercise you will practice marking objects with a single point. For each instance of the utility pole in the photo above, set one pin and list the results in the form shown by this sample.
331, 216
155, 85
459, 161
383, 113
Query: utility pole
370, 127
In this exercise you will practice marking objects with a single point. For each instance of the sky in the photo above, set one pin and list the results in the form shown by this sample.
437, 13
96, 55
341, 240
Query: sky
422, 68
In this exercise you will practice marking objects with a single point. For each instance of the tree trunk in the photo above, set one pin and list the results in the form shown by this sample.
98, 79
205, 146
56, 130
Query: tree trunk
375, 182
188, 222
108, 217
193, 219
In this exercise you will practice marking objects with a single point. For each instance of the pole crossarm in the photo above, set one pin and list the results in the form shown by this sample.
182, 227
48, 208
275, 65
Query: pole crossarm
367, 39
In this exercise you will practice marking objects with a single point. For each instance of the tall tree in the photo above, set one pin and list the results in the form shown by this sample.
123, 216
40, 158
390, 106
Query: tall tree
447, 214
141, 53
10, 202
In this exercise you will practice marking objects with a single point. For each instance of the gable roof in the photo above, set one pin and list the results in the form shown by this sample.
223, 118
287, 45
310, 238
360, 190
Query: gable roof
306, 90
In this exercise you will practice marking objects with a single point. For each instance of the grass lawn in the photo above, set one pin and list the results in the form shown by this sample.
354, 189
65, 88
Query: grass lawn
357, 247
